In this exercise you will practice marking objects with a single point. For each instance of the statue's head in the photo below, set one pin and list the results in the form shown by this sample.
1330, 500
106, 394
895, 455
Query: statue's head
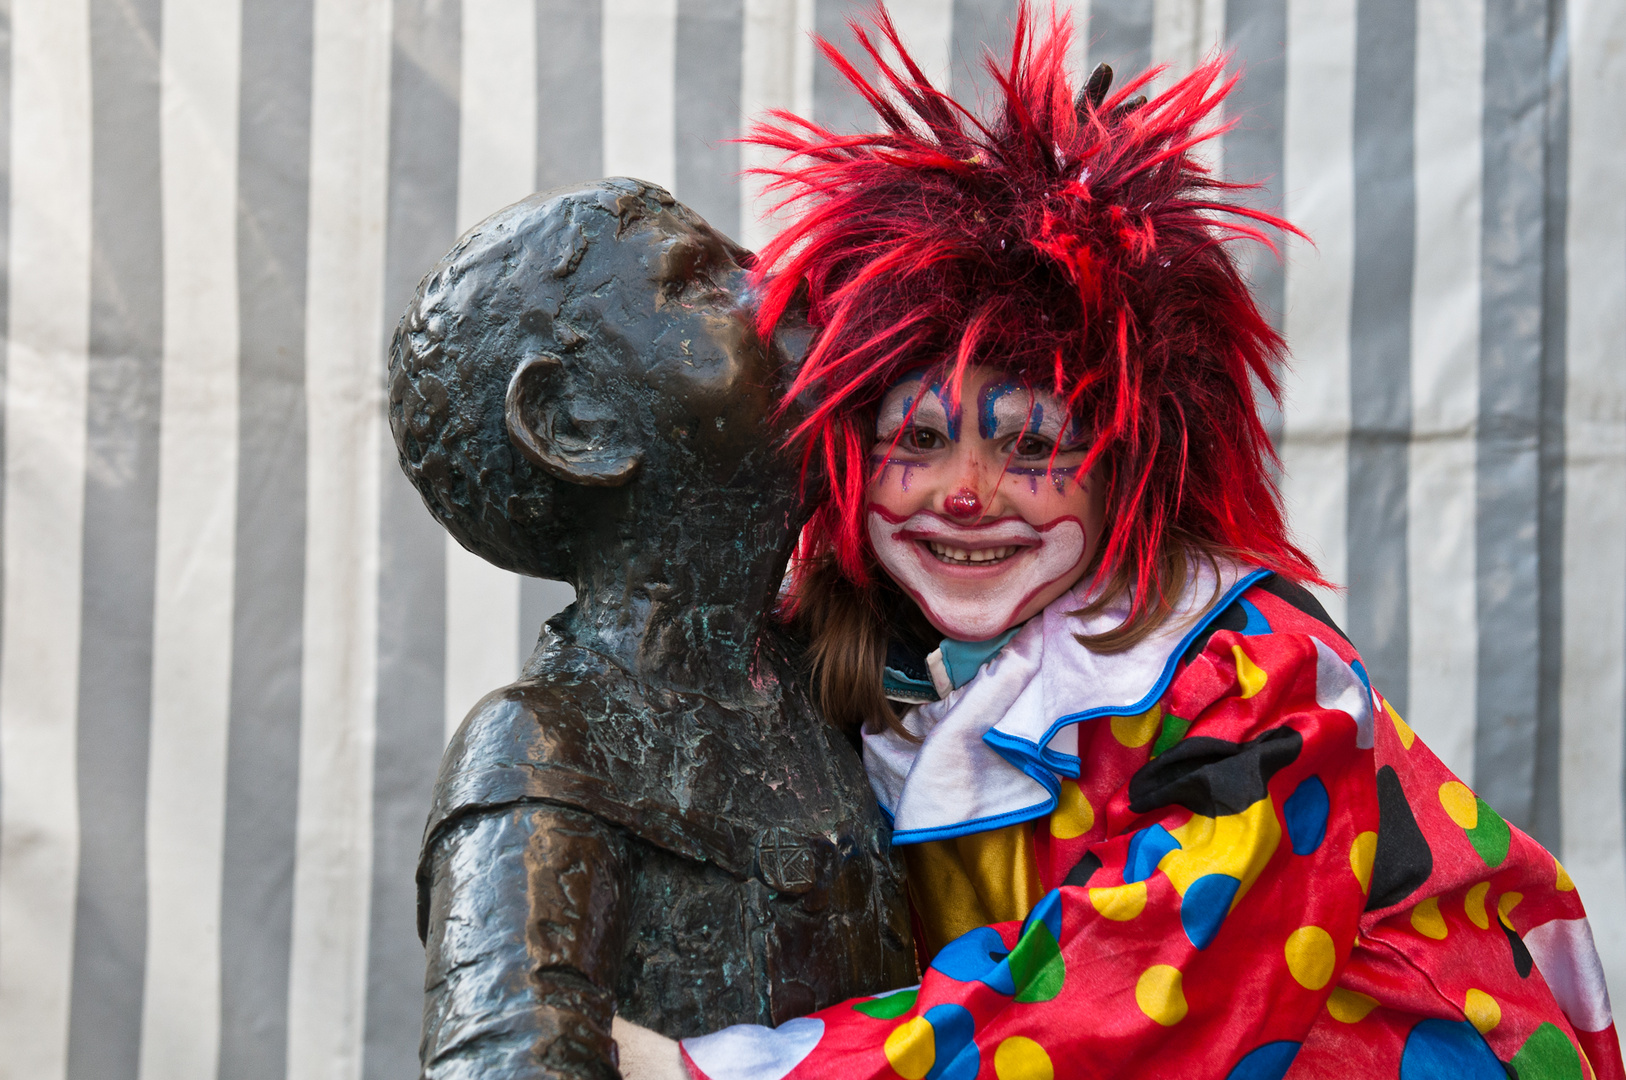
584, 364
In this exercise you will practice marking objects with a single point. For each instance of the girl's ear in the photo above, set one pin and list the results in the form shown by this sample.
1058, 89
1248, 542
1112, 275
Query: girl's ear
565, 437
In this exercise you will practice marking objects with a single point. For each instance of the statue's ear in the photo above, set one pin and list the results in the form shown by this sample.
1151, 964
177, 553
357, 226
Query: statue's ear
542, 424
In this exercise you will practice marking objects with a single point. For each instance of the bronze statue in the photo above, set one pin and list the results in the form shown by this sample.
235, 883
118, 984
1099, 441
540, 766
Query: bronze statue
652, 820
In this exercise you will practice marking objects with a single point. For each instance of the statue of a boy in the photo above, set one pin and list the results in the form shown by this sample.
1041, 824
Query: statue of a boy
652, 820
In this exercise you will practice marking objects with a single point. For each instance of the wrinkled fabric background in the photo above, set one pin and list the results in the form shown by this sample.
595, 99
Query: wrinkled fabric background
233, 642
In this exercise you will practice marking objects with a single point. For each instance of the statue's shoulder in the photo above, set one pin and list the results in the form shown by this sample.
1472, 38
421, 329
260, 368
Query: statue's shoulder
678, 770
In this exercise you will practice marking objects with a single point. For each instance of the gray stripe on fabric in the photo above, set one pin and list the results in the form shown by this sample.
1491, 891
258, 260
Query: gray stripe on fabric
422, 226
1121, 35
262, 766
710, 49
1508, 513
836, 105
120, 540
1380, 340
981, 27
1546, 816
570, 95
1257, 31
5, 240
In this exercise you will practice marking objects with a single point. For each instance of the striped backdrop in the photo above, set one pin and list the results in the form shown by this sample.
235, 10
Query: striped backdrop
232, 642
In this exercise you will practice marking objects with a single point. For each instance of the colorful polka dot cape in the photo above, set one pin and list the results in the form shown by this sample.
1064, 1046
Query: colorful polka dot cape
1253, 879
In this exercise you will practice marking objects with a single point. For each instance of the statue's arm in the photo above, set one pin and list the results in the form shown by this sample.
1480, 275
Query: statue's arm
526, 919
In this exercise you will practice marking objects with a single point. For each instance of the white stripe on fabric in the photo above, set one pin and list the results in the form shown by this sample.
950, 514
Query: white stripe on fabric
45, 405
496, 166
1319, 186
343, 394
776, 72
639, 66
197, 517
1445, 379
1593, 692
1079, 55
496, 153
805, 57
1184, 33
927, 29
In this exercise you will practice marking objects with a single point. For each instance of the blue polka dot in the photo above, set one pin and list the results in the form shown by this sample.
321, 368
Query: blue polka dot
1257, 623
1446, 1050
1205, 906
1047, 911
977, 956
1267, 1062
1146, 850
954, 1038
1306, 814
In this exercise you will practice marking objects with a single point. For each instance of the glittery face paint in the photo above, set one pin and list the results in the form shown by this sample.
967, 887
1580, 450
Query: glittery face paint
1036, 522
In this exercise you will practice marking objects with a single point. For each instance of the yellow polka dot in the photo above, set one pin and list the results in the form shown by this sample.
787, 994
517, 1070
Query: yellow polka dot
1474, 905
1120, 903
1249, 674
1505, 905
1361, 853
911, 1048
1564, 883
1311, 956
1073, 816
1349, 1006
1159, 995
1481, 1010
1403, 729
1427, 920
1135, 731
1460, 803
1020, 1058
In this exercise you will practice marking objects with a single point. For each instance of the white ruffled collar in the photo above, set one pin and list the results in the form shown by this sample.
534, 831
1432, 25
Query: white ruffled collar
993, 752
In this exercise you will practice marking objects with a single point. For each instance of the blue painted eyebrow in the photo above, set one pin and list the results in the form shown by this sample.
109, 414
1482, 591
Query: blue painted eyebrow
909, 409
988, 399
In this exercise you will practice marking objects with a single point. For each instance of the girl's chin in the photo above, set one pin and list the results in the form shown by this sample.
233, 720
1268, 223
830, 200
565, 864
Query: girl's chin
967, 618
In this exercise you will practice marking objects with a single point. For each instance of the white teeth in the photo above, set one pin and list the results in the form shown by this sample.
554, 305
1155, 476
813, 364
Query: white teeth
964, 555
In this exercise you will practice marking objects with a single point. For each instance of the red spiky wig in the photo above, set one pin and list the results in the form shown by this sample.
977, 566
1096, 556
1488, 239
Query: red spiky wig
1073, 242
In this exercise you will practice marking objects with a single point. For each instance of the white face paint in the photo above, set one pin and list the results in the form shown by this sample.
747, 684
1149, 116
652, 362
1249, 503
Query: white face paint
974, 581
982, 522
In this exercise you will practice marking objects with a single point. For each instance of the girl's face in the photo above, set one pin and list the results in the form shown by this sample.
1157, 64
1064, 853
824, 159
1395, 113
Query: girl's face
983, 522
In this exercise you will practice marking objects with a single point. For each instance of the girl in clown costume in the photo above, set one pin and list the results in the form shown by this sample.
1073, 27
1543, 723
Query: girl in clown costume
1157, 821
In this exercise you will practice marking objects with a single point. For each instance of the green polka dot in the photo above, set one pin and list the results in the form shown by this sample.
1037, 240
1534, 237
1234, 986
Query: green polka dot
1174, 729
1490, 836
1037, 966
1548, 1053
888, 1006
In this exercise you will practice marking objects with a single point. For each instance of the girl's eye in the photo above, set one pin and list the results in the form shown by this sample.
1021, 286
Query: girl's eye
1033, 446
922, 439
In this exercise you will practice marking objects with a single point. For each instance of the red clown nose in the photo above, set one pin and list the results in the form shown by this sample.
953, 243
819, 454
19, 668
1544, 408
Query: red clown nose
963, 504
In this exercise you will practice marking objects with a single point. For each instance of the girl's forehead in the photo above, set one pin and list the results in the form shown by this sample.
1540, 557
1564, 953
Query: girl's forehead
1002, 406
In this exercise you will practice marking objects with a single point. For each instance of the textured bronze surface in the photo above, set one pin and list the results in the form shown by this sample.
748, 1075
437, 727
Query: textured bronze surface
652, 819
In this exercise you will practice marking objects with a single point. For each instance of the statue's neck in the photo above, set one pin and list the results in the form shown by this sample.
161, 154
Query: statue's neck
676, 623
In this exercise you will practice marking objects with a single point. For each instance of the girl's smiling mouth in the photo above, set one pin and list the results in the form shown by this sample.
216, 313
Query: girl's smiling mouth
970, 556
974, 581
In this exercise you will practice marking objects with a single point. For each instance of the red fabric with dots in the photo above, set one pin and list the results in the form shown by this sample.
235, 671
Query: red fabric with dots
1295, 978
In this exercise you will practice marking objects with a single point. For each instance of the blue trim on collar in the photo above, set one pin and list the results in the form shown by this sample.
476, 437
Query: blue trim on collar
1007, 745
1043, 765
965, 828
